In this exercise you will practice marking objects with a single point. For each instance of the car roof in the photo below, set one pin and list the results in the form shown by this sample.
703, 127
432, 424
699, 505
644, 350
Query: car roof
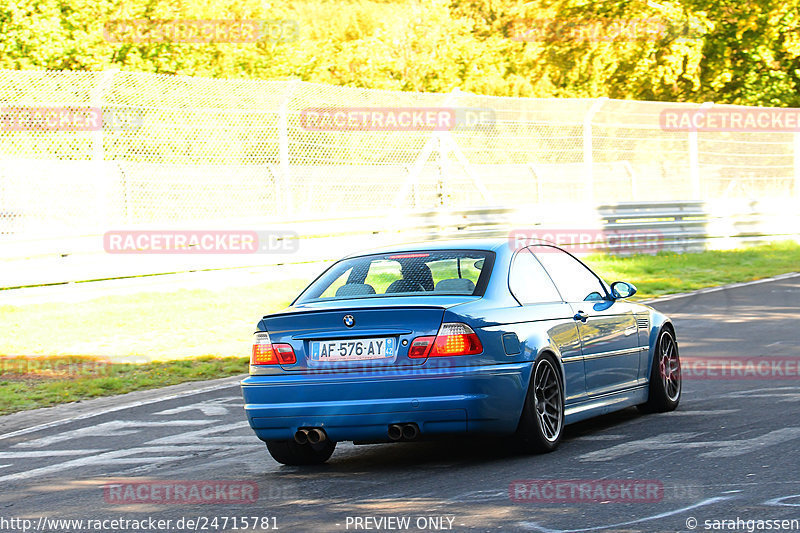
449, 244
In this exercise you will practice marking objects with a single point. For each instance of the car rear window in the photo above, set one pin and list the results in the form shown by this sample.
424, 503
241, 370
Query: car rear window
443, 272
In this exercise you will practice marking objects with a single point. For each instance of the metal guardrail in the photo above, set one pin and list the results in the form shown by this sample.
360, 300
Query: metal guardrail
626, 227
674, 226
691, 226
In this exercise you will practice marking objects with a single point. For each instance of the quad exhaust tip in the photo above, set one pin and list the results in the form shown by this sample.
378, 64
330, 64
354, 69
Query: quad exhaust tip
310, 435
316, 435
410, 431
407, 431
301, 436
395, 431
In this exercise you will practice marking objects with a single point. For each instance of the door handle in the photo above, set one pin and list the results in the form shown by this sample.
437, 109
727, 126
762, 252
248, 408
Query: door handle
581, 315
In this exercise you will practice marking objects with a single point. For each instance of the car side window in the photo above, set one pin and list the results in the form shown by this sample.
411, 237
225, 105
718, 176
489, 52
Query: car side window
574, 280
528, 281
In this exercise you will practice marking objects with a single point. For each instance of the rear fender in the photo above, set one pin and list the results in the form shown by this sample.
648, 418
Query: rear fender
533, 340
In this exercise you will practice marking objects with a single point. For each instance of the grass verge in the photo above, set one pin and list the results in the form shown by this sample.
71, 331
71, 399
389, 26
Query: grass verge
30, 382
670, 273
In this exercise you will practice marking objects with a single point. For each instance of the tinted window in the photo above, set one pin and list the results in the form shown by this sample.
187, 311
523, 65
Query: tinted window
403, 274
573, 279
528, 281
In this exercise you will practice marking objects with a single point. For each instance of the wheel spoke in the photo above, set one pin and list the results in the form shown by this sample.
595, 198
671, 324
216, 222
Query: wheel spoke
547, 395
669, 366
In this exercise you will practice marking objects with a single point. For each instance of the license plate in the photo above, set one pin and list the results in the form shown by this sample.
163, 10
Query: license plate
352, 350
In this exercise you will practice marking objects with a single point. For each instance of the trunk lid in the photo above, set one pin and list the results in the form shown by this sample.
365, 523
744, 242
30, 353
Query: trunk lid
345, 339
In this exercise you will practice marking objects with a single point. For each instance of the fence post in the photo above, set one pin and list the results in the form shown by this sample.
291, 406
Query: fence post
102, 186
588, 156
287, 201
538, 180
694, 159
444, 174
444, 162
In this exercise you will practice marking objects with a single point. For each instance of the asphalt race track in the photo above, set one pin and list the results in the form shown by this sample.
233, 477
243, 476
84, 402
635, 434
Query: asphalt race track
730, 452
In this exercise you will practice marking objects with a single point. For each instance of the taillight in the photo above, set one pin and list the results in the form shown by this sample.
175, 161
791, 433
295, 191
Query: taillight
454, 338
420, 347
266, 353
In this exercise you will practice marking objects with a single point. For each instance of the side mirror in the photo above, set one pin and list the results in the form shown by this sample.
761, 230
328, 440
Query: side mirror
622, 289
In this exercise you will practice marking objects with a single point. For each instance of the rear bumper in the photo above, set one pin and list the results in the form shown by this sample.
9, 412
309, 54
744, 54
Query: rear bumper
361, 407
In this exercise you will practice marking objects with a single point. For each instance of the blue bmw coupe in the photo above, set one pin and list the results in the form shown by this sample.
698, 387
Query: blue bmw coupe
468, 336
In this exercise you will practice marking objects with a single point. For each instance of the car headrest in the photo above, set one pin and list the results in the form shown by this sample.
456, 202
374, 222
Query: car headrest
456, 286
355, 289
405, 285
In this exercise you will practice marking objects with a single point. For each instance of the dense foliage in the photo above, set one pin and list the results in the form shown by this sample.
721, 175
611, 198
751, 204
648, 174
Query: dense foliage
724, 51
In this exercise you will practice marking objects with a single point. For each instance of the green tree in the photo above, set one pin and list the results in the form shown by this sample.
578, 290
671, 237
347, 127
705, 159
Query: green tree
687, 50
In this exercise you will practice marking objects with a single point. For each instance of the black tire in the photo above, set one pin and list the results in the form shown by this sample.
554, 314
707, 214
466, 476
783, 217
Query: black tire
542, 422
288, 452
665, 376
